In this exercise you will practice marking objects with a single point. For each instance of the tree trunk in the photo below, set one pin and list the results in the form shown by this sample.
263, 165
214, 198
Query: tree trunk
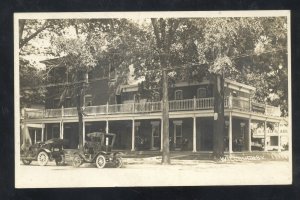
165, 132
80, 117
218, 130
80, 103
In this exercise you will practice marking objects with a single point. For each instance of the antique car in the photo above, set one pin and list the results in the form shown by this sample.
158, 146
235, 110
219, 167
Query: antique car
43, 152
97, 149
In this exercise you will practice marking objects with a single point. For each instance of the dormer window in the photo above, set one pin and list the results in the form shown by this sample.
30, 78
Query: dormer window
178, 95
201, 93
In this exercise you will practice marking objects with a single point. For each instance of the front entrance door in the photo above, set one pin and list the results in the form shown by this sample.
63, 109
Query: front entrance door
155, 139
177, 135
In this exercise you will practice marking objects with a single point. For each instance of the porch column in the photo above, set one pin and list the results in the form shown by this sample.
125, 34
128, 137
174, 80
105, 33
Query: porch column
83, 131
279, 140
161, 135
107, 126
34, 136
194, 134
133, 136
249, 134
61, 130
62, 123
230, 132
265, 135
42, 136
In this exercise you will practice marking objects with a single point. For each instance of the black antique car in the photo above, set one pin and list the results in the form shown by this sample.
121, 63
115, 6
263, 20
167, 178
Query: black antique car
44, 151
97, 149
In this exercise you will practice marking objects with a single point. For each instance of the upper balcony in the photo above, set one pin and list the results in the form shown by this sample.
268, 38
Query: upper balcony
234, 103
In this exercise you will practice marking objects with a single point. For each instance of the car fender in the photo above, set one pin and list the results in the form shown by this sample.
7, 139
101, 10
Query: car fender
46, 150
119, 154
79, 154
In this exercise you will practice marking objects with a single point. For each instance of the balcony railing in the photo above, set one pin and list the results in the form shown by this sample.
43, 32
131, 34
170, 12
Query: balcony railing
154, 107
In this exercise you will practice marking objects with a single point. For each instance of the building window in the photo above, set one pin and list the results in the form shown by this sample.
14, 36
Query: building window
55, 103
88, 100
156, 97
201, 93
178, 95
128, 96
68, 103
55, 132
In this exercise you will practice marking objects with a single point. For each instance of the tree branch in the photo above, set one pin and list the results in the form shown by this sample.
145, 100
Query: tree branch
26, 40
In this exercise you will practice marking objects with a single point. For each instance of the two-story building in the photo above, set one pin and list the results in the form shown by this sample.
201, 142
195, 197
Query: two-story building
138, 122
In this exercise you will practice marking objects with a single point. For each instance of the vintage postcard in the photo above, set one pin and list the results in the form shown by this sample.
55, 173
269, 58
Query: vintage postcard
123, 99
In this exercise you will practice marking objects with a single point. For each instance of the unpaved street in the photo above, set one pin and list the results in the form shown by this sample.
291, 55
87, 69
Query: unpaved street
154, 174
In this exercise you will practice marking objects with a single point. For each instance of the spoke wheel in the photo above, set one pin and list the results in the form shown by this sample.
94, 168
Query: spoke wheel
60, 160
100, 161
43, 158
77, 161
118, 162
26, 162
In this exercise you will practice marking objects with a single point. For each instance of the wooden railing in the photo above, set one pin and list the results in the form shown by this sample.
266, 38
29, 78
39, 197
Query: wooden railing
152, 107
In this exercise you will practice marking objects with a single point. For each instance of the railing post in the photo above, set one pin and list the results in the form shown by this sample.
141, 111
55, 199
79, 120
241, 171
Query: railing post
62, 111
266, 109
195, 103
230, 101
106, 107
133, 107
250, 104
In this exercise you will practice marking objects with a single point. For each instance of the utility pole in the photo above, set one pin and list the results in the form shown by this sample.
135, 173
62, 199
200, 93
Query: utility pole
165, 116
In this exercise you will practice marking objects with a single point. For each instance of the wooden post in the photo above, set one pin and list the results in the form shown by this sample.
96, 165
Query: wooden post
42, 136
83, 131
194, 135
230, 133
250, 104
133, 136
107, 108
60, 129
62, 111
34, 135
195, 103
161, 135
265, 135
249, 134
107, 126
230, 101
279, 139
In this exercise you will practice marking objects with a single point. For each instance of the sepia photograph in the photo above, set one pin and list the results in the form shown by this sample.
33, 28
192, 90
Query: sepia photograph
137, 99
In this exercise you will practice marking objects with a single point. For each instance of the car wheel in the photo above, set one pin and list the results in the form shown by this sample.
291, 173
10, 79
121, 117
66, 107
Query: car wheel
100, 161
60, 160
26, 162
42, 158
118, 162
77, 161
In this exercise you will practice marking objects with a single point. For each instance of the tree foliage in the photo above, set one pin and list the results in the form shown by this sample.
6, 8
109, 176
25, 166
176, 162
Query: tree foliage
30, 78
